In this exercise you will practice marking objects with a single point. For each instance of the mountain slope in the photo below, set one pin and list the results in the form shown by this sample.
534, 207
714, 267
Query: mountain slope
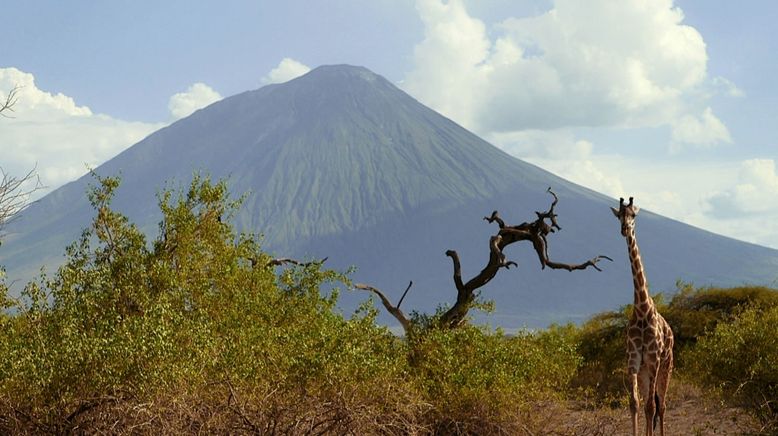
341, 163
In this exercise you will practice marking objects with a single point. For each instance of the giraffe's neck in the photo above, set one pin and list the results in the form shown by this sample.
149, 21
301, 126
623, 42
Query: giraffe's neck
638, 275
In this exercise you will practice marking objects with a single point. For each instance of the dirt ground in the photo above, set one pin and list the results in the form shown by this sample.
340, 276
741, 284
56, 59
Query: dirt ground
690, 411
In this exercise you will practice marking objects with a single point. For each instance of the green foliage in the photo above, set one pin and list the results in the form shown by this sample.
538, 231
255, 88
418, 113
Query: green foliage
202, 305
476, 379
694, 312
450, 362
740, 357
602, 344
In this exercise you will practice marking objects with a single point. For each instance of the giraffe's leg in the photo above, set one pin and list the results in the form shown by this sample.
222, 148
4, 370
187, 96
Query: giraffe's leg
633, 367
648, 382
634, 401
662, 382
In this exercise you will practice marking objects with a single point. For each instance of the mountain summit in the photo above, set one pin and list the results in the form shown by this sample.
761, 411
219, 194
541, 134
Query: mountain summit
341, 163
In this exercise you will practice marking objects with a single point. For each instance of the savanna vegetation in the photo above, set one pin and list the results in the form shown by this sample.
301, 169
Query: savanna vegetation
200, 331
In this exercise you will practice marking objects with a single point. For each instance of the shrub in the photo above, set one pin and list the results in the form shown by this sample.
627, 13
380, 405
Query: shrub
478, 381
200, 314
602, 345
740, 358
694, 312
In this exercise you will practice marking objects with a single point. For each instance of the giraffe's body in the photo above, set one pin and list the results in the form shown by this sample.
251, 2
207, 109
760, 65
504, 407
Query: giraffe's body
649, 337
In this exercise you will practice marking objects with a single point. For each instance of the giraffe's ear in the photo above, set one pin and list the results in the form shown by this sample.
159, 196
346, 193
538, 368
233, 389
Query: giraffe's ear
615, 212
635, 209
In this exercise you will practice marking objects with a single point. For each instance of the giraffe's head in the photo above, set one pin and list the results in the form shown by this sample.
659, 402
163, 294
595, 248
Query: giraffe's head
626, 215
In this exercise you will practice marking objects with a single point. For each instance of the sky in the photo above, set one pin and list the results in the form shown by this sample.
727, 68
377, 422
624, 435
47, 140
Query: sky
673, 103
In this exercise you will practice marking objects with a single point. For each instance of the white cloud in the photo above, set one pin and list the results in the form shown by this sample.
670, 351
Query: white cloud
449, 73
36, 104
57, 135
286, 70
721, 84
704, 130
756, 192
197, 96
560, 152
739, 200
544, 144
747, 208
589, 173
630, 63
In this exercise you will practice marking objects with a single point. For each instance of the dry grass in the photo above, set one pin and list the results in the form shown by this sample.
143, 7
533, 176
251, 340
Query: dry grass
690, 411
224, 409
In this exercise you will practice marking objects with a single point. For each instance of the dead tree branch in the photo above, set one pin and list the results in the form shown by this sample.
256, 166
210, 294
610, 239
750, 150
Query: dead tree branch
405, 293
394, 310
535, 232
236, 406
286, 260
10, 101
15, 193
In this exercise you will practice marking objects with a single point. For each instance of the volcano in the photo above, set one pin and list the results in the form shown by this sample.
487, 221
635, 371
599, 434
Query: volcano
343, 164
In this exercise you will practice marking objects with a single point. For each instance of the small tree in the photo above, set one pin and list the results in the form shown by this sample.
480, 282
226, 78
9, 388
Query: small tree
535, 232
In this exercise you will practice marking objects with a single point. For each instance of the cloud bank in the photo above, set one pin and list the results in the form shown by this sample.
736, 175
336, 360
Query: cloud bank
597, 63
52, 132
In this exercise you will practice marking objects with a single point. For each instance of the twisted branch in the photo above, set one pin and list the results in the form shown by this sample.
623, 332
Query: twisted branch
495, 217
550, 214
535, 232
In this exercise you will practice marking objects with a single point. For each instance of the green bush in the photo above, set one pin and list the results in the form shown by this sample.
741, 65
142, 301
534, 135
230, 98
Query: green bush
740, 358
198, 311
602, 345
694, 312
478, 381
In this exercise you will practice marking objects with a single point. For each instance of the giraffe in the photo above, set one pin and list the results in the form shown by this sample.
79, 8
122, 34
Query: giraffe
649, 337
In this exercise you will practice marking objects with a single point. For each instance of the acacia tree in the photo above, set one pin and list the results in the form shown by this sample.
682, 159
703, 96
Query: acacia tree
535, 232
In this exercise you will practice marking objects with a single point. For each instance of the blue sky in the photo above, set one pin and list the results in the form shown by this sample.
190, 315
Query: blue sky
670, 102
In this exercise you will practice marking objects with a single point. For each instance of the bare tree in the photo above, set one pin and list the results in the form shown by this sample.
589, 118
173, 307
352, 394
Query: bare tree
535, 232
10, 101
15, 191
